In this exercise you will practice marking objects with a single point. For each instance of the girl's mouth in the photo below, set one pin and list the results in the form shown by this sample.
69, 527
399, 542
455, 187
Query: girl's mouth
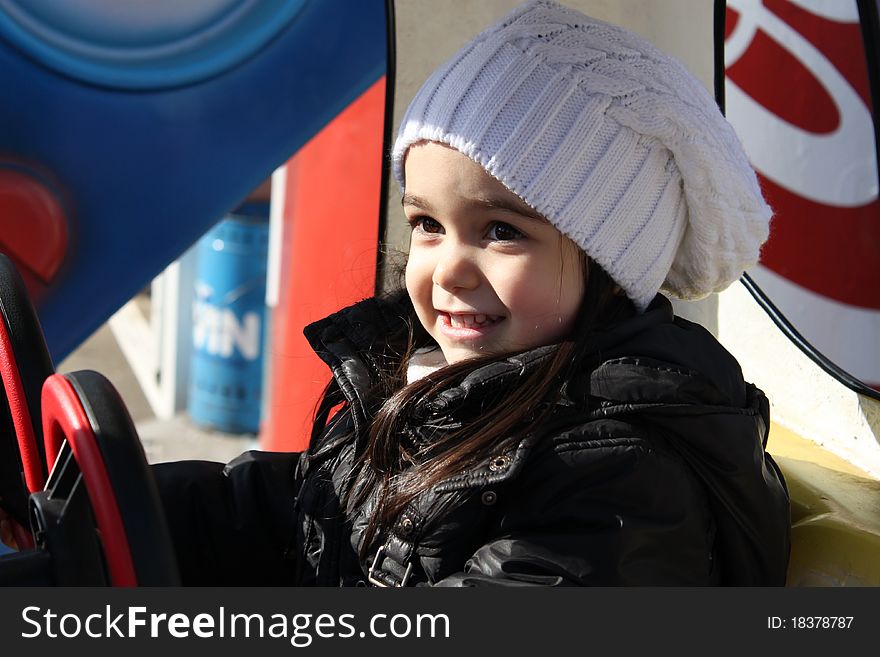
468, 326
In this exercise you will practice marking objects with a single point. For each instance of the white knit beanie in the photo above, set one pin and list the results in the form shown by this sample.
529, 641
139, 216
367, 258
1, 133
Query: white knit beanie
612, 140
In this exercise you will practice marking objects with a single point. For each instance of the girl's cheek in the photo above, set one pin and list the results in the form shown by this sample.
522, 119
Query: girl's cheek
418, 276
522, 291
411, 278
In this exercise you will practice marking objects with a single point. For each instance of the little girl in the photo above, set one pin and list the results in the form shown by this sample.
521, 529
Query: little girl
528, 410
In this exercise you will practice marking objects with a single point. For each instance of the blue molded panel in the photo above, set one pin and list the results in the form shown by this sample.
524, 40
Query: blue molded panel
143, 45
148, 167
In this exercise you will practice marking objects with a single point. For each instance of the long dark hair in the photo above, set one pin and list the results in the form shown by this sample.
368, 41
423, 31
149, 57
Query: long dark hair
384, 467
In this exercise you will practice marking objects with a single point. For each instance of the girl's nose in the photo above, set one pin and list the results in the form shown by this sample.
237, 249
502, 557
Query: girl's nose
456, 269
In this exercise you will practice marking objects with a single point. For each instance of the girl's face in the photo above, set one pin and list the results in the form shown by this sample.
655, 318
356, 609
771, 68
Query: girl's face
486, 273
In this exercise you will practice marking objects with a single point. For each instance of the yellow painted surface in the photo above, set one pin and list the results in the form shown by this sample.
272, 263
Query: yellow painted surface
835, 515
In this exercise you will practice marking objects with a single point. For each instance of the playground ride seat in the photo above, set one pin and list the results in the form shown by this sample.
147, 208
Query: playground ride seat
835, 536
24, 366
99, 520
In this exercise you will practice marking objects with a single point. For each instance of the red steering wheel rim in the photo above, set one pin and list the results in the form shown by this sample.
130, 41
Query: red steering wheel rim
64, 418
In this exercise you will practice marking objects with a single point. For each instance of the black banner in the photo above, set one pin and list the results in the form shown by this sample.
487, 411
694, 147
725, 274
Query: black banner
433, 621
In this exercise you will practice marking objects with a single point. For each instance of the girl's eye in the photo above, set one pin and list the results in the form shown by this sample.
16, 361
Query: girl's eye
504, 232
426, 225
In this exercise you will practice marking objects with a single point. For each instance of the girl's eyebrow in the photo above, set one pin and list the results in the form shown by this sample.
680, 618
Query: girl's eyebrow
519, 208
415, 201
487, 203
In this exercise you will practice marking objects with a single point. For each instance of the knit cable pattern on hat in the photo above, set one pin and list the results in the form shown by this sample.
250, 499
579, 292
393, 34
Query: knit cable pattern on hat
612, 140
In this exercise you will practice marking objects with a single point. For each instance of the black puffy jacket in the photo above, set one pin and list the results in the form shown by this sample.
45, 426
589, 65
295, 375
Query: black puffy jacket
650, 471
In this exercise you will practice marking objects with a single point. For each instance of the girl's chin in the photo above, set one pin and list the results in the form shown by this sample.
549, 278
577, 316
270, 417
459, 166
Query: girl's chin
458, 353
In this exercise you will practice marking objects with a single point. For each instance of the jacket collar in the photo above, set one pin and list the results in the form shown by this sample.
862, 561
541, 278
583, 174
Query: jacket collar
361, 341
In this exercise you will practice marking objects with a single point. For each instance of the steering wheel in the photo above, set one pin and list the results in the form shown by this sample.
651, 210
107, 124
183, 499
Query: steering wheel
24, 366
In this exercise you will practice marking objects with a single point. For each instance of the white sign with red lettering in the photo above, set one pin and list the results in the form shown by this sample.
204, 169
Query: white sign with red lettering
797, 93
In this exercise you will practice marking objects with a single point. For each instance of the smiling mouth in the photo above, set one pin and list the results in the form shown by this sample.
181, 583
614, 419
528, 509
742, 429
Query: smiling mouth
474, 321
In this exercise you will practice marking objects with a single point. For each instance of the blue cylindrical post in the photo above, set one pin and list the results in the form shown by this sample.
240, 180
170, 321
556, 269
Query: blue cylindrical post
228, 322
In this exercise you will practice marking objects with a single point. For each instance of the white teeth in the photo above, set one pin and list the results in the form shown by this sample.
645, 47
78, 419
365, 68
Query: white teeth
470, 321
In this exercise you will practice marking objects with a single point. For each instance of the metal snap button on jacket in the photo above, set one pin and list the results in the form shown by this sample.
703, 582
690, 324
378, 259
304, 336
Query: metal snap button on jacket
499, 463
489, 498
